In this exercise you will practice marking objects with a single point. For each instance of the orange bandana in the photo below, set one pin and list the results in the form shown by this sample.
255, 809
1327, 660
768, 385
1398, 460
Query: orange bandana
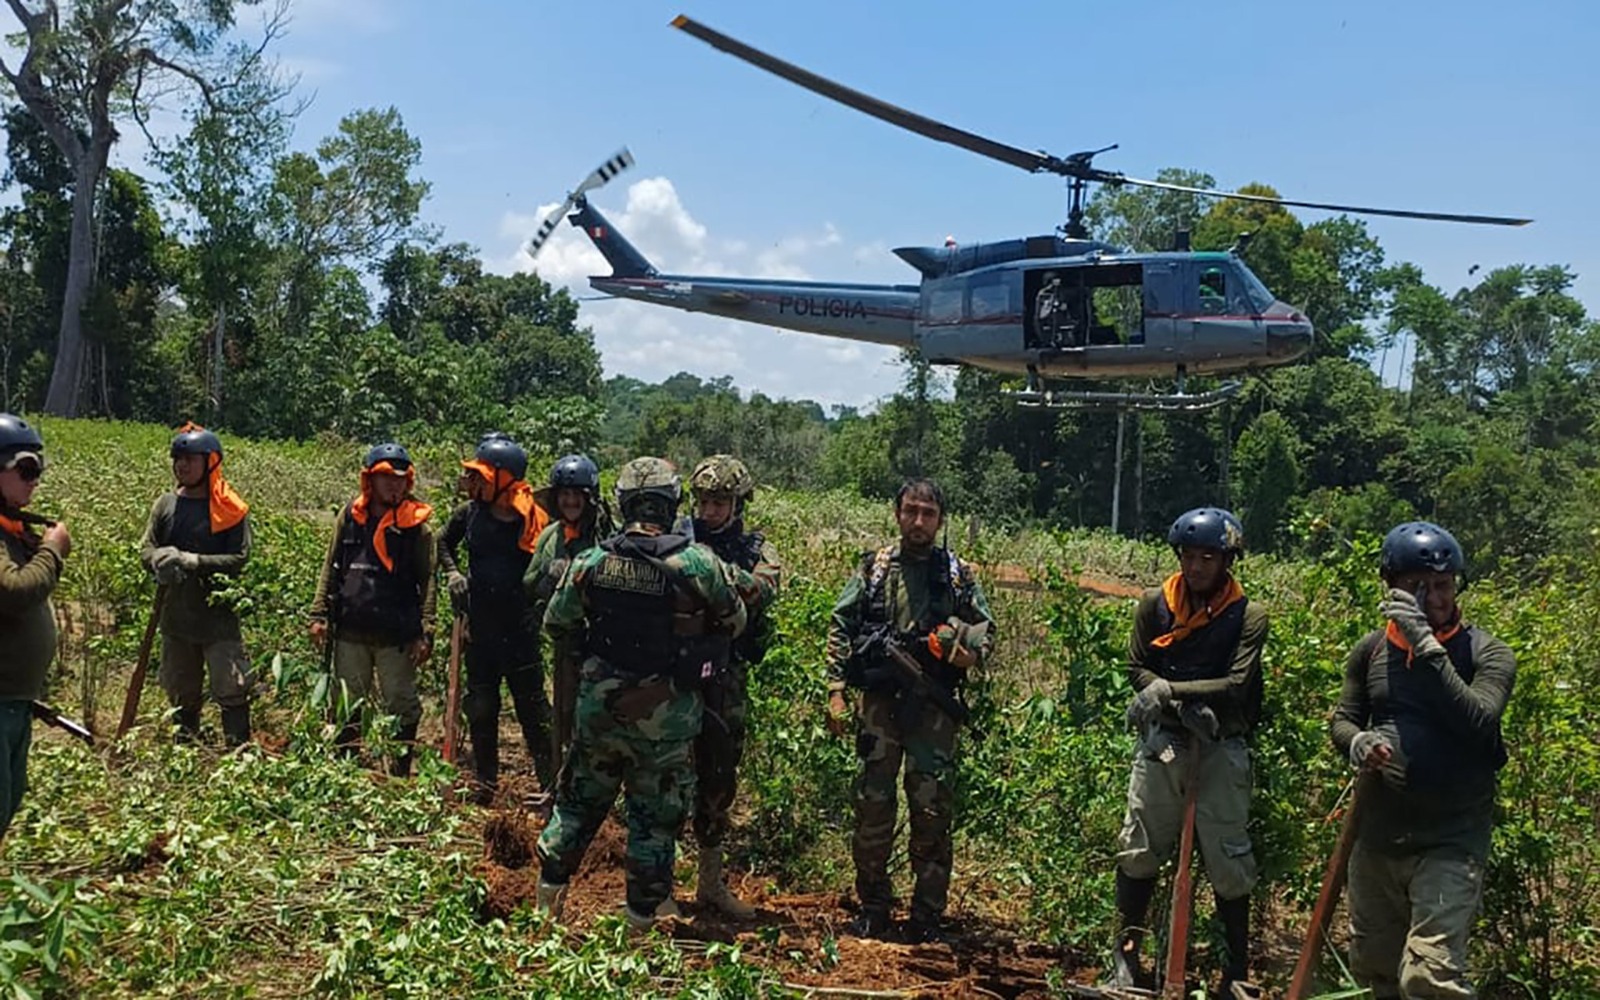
226, 506
1392, 633
516, 495
14, 527
1184, 621
570, 531
410, 512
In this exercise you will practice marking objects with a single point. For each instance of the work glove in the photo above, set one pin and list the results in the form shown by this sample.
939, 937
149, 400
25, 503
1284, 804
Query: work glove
456, 582
164, 564
1402, 608
1148, 703
189, 562
953, 643
1364, 746
1200, 719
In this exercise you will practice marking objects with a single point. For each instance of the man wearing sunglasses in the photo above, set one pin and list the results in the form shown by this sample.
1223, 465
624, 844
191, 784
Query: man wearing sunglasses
376, 595
29, 571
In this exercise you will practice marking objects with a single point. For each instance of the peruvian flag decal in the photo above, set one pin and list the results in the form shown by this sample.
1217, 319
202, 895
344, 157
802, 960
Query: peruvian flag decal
598, 232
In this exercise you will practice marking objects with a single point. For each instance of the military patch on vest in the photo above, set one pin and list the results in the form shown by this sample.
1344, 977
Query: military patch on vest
630, 576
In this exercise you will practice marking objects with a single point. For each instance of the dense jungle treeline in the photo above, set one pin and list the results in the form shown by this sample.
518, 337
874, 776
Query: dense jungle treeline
280, 292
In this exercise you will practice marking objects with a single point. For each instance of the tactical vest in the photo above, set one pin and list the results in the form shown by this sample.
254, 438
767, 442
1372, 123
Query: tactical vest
946, 595
1437, 758
733, 546
1206, 653
374, 601
644, 619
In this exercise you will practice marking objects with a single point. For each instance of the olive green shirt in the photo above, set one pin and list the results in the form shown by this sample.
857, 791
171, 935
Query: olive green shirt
28, 575
185, 524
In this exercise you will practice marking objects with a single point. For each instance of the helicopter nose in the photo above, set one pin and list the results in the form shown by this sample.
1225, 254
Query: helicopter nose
1289, 332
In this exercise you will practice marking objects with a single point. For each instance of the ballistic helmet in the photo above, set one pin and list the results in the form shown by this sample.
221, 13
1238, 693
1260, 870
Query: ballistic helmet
648, 491
575, 472
722, 475
1420, 545
194, 440
497, 450
1207, 528
396, 455
16, 434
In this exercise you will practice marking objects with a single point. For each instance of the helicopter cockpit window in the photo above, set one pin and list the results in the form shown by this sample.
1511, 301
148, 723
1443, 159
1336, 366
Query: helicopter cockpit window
1260, 296
942, 305
1213, 291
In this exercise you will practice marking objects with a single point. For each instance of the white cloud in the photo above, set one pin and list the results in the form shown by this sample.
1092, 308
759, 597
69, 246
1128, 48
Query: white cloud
652, 343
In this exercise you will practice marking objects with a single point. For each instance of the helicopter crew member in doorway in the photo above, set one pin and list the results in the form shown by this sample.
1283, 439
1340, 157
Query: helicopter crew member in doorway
196, 531
921, 597
376, 598
721, 485
1421, 706
500, 526
1194, 660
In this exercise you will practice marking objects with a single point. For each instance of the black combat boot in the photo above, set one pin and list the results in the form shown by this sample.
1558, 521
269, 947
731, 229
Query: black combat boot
1235, 916
188, 721
872, 922
1133, 903
236, 725
347, 744
486, 760
400, 767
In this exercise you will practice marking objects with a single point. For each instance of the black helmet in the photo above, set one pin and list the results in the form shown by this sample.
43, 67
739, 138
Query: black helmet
1420, 545
396, 455
16, 434
194, 440
575, 472
498, 451
1207, 528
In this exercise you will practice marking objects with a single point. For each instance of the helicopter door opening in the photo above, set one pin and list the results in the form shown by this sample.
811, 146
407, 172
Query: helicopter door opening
1079, 305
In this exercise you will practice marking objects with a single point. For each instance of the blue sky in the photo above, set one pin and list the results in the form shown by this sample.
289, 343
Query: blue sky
1465, 106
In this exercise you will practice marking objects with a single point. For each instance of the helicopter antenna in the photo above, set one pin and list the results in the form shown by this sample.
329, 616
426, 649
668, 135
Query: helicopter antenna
1078, 167
598, 178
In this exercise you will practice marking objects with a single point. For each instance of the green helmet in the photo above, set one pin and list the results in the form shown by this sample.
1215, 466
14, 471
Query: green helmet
648, 490
722, 474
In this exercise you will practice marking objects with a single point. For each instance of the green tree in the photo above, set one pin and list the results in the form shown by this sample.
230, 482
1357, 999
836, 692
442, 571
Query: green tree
1266, 477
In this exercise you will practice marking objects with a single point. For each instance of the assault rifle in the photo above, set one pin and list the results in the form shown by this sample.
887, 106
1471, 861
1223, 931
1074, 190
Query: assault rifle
884, 645
49, 716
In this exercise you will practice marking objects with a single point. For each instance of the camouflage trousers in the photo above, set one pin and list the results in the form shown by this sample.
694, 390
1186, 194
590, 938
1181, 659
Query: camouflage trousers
923, 738
1409, 920
637, 738
186, 664
717, 752
1153, 823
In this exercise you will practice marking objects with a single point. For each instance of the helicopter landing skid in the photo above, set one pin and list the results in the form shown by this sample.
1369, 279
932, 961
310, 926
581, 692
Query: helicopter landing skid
1174, 402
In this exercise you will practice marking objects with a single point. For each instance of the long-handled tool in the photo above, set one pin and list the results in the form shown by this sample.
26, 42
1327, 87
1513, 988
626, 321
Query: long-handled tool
452, 690
1332, 887
1172, 984
130, 704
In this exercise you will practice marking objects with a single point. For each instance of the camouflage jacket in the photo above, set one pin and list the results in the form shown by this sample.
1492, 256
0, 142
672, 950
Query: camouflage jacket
757, 581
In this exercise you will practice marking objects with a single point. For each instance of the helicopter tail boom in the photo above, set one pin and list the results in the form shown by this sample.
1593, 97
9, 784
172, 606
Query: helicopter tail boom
625, 260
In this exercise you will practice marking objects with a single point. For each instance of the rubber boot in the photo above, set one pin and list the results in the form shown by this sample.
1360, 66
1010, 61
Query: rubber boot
347, 745
872, 923
486, 759
550, 900
712, 889
1133, 903
1235, 916
400, 767
236, 725
188, 722
639, 924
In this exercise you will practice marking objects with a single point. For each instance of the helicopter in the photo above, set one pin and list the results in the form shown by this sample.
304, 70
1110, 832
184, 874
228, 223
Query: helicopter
1057, 306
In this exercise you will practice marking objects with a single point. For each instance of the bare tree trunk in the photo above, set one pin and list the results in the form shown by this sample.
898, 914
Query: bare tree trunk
217, 362
64, 398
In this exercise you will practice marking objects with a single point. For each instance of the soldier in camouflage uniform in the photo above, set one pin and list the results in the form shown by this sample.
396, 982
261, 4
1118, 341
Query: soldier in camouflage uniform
580, 520
721, 484
653, 618
936, 609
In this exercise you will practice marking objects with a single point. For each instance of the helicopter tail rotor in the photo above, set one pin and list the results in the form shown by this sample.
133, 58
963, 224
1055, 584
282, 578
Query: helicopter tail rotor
598, 178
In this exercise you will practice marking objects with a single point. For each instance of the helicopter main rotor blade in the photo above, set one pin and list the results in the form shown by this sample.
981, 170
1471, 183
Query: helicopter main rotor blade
938, 131
1488, 220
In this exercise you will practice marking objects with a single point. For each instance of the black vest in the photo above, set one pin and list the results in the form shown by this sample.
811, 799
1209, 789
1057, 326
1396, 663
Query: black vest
1206, 653
943, 602
1437, 757
375, 601
733, 546
642, 620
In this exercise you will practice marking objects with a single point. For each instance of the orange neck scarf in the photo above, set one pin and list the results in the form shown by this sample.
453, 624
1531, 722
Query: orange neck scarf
13, 526
409, 513
1392, 633
570, 532
1186, 621
513, 494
